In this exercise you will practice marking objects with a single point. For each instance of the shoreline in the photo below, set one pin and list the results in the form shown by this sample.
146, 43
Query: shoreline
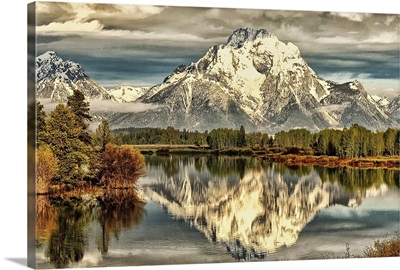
390, 162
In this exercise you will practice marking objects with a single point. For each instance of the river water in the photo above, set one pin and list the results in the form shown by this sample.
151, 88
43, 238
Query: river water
201, 209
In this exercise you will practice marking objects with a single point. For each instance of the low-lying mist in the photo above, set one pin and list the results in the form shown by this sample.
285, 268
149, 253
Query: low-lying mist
104, 106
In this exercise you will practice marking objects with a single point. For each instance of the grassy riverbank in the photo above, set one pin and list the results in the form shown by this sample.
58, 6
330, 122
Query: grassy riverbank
331, 161
272, 155
175, 149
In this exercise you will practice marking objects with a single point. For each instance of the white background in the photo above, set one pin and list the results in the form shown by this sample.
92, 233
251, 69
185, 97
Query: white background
13, 72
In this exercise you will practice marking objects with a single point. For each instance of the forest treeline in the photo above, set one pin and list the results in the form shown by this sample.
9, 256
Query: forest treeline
69, 156
351, 142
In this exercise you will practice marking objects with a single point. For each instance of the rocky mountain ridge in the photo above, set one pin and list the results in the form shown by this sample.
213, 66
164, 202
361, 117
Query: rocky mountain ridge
254, 80
57, 79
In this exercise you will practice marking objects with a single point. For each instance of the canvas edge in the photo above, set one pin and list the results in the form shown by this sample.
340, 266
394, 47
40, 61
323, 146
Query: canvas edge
31, 137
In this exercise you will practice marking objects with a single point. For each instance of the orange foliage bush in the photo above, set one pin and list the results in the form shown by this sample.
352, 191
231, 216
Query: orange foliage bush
121, 166
384, 248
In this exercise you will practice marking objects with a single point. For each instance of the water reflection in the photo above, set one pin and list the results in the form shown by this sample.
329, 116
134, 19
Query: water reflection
67, 242
119, 210
46, 219
63, 223
256, 207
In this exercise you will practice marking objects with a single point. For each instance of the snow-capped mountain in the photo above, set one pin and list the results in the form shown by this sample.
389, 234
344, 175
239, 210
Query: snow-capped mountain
257, 81
127, 93
56, 79
393, 108
383, 102
349, 104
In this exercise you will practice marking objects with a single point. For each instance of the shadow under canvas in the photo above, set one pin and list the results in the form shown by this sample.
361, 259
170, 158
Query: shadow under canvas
20, 261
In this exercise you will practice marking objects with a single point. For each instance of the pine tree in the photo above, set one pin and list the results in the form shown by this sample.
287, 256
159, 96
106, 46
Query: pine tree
390, 137
102, 135
241, 140
63, 136
171, 135
40, 124
81, 109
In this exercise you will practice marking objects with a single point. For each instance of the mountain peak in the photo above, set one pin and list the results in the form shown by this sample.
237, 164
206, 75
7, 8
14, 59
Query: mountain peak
241, 35
48, 55
56, 79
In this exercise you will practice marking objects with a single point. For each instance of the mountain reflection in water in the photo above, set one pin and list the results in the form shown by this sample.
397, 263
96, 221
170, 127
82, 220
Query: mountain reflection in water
255, 207
249, 207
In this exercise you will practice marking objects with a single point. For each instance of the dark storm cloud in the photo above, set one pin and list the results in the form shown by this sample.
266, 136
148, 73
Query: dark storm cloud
378, 66
135, 62
49, 12
212, 23
109, 8
43, 39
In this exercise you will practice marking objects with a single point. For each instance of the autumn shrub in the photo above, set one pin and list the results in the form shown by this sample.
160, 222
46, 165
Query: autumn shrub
121, 166
384, 248
46, 168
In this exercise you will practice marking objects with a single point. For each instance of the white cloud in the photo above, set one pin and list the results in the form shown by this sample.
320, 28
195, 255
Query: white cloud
356, 17
70, 27
141, 35
383, 37
95, 29
336, 40
104, 106
109, 106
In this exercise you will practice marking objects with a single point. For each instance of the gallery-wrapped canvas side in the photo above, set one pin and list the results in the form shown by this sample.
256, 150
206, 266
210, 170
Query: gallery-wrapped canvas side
31, 125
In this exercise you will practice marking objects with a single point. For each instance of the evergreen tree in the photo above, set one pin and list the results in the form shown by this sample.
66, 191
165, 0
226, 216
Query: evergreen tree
241, 139
390, 137
171, 135
81, 109
323, 139
63, 136
40, 123
397, 144
265, 140
102, 135
198, 139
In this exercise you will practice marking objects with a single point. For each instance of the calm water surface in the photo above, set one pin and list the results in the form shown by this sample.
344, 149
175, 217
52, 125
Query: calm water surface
221, 209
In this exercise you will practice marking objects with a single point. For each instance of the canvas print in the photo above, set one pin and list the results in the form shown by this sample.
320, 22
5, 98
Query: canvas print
164, 135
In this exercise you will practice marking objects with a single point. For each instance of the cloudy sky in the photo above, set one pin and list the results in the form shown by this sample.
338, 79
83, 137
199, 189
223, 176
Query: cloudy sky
140, 45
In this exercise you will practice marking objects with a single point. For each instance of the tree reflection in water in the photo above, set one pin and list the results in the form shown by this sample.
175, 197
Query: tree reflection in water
355, 179
64, 222
67, 242
119, 209
46, 219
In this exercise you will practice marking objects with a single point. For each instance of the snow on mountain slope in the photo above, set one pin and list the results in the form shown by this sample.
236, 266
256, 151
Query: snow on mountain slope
257, 81
393, 108
57, 79
254, 80
127, 93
